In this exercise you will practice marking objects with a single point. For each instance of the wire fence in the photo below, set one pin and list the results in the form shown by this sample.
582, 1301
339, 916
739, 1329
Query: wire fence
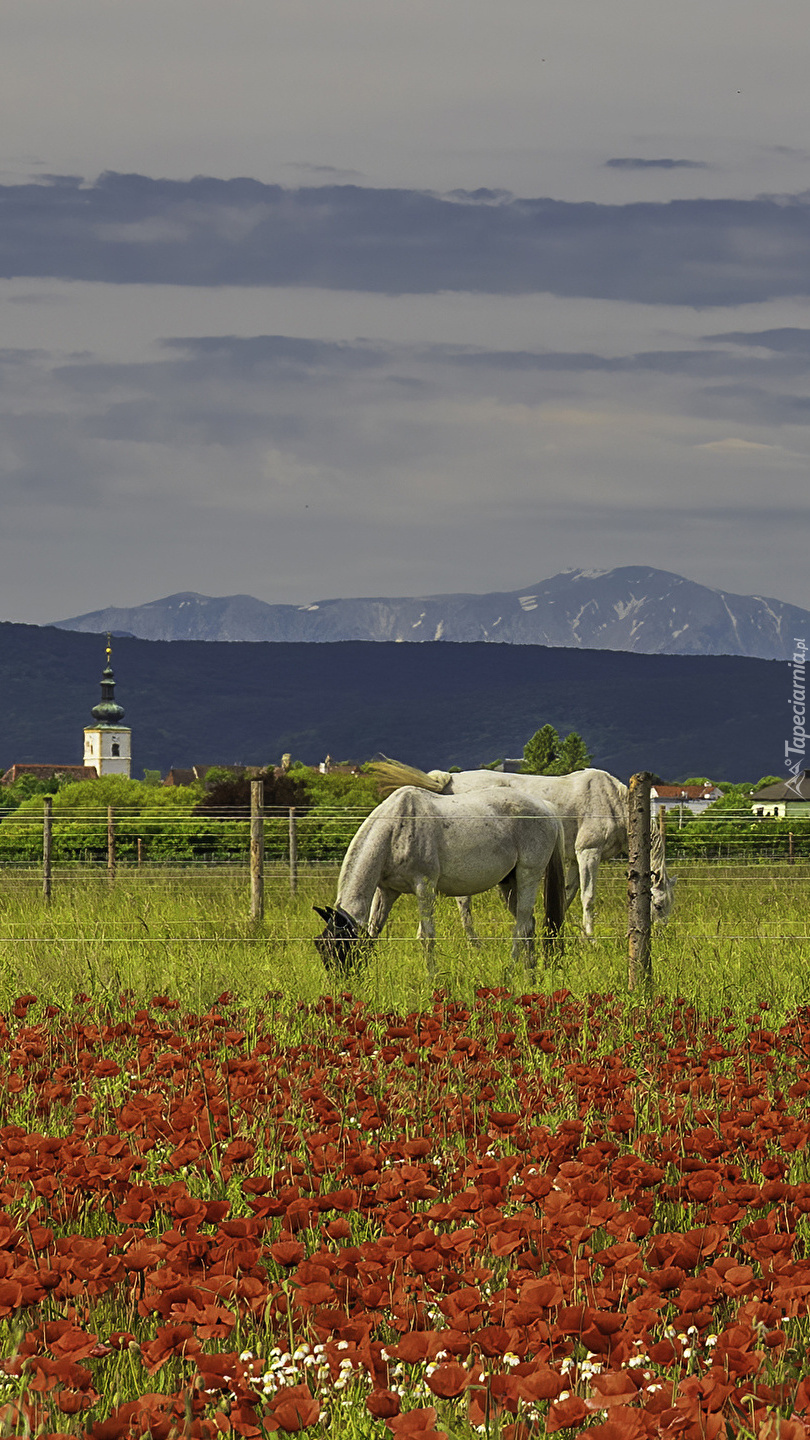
222, 838
753, 875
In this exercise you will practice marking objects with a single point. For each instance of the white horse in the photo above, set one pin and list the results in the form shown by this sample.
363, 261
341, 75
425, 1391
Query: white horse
592, 806
423, 844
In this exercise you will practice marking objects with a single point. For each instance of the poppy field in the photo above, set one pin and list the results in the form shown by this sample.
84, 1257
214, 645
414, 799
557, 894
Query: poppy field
500, 1211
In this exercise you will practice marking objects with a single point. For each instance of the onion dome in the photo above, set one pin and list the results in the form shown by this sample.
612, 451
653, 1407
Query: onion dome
108, 711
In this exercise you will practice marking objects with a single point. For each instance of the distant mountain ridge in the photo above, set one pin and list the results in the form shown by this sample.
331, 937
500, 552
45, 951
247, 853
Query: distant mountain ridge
632, 608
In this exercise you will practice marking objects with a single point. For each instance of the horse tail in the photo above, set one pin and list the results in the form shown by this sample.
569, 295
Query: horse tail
554, 890
391, 775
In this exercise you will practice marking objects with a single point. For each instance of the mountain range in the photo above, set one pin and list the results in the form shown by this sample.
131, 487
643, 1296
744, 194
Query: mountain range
632, 608
195, 703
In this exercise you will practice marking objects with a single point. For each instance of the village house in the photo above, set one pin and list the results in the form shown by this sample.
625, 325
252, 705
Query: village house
783, 801
48, 772
179, 775
694, 798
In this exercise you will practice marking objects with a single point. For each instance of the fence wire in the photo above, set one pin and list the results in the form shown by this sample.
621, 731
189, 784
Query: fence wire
728, 856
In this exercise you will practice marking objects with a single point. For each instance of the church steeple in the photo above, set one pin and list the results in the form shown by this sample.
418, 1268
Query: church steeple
107, 743
108, 711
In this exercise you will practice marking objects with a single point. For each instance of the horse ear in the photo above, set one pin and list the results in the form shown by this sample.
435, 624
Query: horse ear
325, 912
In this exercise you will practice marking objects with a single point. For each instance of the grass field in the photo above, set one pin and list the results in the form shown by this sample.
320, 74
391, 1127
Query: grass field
236, 1197
738, 933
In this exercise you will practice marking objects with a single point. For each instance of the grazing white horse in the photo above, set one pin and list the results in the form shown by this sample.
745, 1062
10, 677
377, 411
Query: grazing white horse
423, 844
592, 806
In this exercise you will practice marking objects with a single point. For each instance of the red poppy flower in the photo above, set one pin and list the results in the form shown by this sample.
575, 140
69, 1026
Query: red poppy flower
417, 1424
563, 1414
295, 1409
417, 1346
448, 1380
542, 1383
287, 1252
383, 1404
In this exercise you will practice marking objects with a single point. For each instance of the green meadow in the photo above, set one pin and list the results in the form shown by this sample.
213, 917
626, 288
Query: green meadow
738, 934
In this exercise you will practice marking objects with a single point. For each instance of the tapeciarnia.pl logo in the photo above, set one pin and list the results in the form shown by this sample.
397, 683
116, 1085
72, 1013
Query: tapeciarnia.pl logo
796, 747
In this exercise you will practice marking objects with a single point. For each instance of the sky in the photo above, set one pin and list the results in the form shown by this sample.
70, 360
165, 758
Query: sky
303, 300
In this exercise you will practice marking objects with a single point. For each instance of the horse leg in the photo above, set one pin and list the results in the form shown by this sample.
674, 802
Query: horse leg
380, 910
588, 861
426, 900
464, 903
519, 895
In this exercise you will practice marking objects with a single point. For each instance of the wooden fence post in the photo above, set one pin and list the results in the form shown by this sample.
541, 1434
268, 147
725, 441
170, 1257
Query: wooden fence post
293, 851
140, 852
639, 916
790, 847
257, 850
47, 838
110, 843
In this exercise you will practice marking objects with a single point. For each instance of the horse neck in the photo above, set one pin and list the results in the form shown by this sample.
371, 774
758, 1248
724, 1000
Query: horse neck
360, 875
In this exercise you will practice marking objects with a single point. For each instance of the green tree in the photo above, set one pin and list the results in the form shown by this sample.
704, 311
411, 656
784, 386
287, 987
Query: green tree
541, 751
572, 755
160, 816
25, 789
547, 754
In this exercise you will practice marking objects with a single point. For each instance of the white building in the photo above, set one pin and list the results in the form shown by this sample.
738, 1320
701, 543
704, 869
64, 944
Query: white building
695, 798
108, 743
784, 801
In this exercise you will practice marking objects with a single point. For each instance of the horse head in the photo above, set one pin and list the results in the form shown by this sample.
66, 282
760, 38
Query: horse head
338, 944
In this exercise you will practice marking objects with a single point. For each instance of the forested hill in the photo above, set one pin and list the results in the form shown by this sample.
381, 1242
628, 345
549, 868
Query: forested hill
443, 704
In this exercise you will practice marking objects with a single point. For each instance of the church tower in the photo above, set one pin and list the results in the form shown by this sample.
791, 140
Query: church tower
108, 743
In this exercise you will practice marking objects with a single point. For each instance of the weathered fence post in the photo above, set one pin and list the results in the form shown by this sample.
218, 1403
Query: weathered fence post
47, 838
140, 852
110, 843
257, 850
790, 847
293, 851
639, 881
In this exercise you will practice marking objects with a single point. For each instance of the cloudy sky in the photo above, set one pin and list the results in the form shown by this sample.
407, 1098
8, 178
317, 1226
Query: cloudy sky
303, 299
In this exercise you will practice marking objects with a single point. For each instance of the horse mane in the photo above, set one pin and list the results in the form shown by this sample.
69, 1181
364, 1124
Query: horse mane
391, 775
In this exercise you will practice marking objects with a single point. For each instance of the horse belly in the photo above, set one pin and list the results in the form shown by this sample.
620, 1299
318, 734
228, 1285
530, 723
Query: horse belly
473, 867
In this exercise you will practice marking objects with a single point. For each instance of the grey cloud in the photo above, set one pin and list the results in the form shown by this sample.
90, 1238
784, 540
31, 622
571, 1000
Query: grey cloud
695, 363
751, 404
281, 354
232, 390
284, 457
18, 356
335, 170
358, 406
788, 340
129, 228
281, 351
632, 162
34, 299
